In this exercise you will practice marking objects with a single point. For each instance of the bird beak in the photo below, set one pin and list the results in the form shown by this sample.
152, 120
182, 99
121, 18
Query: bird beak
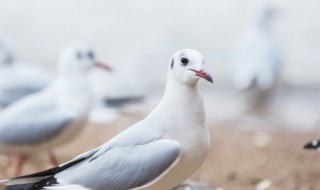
203, 74
103, 66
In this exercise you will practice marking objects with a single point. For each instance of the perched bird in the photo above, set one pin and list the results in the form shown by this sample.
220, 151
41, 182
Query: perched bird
18, 79
51, 117
258, 60
157, 153
313, 145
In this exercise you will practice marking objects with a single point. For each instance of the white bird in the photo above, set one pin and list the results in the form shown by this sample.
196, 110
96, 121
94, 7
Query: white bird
258, 59
18, 79
315, 145
51, 117
157, 153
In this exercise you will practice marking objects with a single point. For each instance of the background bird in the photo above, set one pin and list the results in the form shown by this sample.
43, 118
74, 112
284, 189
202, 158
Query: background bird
315, 145
157, 153
18, 79
258, 60
53, 116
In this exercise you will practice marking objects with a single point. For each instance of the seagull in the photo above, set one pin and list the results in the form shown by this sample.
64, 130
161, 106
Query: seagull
53, 116
258, 59
156, 153
18, 79
313, 145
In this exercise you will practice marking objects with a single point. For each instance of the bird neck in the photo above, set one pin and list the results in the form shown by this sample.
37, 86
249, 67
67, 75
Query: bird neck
74, 90
180, 104
179, 94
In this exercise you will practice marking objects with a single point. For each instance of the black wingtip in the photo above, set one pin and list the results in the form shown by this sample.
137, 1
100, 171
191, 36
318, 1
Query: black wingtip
34, 186
312, 145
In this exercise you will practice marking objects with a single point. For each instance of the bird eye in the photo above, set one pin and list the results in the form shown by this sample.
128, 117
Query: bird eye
184, 61
90, 54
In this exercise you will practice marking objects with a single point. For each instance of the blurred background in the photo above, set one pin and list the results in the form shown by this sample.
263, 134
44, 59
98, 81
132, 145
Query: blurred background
138, 39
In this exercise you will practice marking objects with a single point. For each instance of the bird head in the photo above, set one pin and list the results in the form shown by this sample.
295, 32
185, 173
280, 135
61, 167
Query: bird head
79, 58
187, 67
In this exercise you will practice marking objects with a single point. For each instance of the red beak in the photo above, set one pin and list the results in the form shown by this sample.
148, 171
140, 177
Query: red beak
203, 74
103, 66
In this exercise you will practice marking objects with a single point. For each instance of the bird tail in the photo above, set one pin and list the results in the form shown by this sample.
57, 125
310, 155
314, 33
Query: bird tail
36, 183
38, 180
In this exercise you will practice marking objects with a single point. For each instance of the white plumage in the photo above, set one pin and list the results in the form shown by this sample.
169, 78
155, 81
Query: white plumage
258, 59
19, 79
157, 153
51, 117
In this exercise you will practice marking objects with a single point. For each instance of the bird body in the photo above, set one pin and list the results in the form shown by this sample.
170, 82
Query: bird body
157, 153
258, 61
54, 115
258, 58
19, 79
50, 106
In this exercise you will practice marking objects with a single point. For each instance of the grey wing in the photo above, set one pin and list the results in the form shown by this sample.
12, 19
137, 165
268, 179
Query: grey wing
7, 97
33, 124
124, 168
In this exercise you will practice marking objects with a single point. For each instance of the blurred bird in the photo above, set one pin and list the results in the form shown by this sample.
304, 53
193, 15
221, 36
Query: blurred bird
313, 145
51, 117
258, 60
157, 153
18, 79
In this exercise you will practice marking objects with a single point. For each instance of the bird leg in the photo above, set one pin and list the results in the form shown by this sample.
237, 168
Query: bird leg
53, 158
20, 160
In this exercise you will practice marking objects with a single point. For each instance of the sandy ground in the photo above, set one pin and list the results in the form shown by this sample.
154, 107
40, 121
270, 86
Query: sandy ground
239, 157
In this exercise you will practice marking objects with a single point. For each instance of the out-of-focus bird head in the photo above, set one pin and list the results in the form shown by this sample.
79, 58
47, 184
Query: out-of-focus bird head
266, 15
78, 59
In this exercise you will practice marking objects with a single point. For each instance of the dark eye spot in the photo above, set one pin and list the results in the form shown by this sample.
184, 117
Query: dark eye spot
172, 63
90, 54
79, 55
184, 61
